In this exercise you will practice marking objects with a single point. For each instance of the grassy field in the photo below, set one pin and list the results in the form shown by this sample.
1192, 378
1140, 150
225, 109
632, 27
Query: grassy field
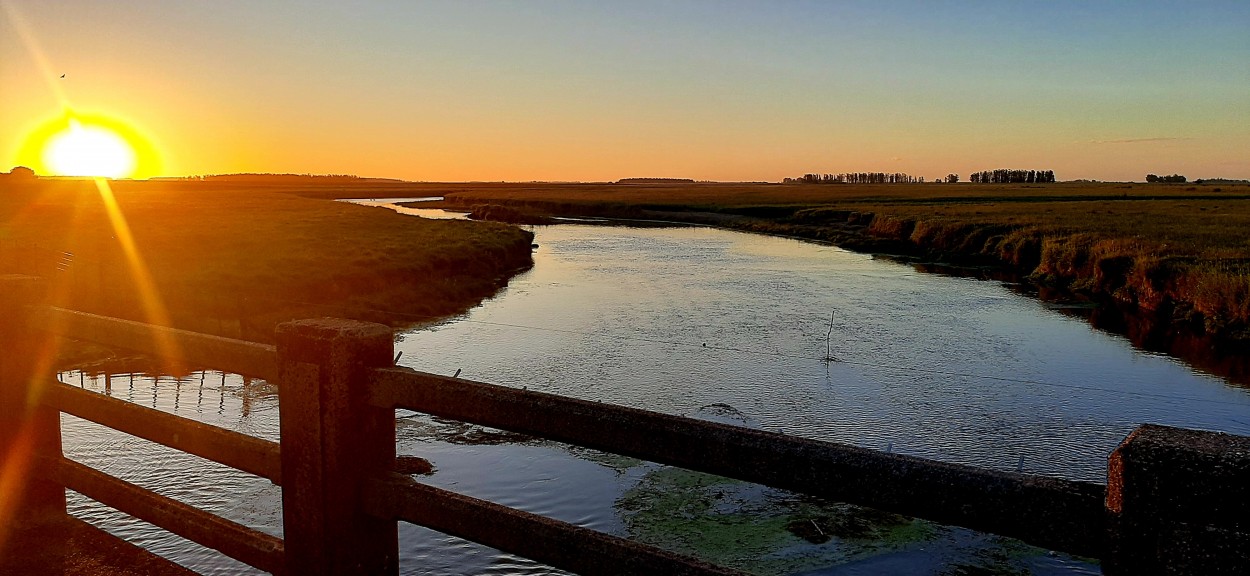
237, 256
236, 260
1182, 250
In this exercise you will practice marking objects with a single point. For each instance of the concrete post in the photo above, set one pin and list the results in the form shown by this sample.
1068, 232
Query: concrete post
27, 429
1179, 503
332, 442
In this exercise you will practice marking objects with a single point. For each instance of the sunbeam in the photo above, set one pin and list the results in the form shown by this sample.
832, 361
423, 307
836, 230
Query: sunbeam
154, 309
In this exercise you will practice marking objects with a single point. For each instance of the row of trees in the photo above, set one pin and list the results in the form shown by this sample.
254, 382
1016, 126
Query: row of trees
1175, 178
1001, 176
1008, 176
655, 181
856, 178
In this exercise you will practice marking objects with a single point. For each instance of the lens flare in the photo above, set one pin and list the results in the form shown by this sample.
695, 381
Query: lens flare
149, 297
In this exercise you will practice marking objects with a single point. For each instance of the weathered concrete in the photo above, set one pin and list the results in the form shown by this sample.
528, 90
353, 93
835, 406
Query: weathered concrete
71, 547
560, 544
333, 442
27, 428
1179, 503
1050, 512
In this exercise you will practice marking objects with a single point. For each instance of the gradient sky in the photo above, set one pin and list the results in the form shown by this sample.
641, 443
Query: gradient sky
543, 90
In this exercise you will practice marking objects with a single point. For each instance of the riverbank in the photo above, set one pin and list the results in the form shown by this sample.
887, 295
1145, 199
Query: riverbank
1178, 252
237, 261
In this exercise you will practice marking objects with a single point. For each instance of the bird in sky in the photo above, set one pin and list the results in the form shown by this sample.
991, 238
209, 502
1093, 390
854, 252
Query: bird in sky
62, 75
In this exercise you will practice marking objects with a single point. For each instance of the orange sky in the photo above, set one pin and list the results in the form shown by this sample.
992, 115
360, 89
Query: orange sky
585, 91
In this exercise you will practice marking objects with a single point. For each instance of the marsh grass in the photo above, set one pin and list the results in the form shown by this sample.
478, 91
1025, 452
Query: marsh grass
239, 261
1182, 249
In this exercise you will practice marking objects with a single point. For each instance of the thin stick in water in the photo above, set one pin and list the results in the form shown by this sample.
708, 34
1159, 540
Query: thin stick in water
829, 357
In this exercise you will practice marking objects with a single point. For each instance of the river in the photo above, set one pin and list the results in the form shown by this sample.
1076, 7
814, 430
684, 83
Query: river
758, 331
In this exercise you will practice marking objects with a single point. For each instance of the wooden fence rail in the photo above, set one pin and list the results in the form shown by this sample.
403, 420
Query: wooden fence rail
1175, 502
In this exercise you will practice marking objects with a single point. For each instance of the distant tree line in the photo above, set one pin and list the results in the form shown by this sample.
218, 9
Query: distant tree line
654, 180
1001, 176
1008, 176
1174, 179
1220, 181
856, 178
253, 176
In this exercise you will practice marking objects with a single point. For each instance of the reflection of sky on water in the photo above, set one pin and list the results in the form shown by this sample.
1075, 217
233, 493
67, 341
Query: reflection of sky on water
394, 204
951, 368
225, 400
723, 326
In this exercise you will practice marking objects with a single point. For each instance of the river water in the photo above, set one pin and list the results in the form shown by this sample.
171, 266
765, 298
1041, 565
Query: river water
758, 331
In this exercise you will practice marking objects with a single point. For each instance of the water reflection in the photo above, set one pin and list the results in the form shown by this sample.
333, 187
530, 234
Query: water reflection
715, 324
1146, 330
396, 204
952, 368
221, 399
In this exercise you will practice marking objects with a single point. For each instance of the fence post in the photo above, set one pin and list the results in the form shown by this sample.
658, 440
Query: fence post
27, 429
1179, 503
332, 442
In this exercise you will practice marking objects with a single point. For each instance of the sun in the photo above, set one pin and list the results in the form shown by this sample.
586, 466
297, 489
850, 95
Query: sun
89, 151
96, 145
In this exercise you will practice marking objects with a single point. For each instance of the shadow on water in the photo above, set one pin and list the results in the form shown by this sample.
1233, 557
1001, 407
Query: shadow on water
1146, 330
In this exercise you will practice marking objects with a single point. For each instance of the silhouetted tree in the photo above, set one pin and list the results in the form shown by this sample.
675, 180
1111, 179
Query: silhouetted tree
21, 173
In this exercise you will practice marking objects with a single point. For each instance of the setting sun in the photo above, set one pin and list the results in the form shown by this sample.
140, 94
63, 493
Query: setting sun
89, 151
89, 144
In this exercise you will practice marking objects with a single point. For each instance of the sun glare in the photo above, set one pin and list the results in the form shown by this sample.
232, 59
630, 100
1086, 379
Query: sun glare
89, 151
89, 144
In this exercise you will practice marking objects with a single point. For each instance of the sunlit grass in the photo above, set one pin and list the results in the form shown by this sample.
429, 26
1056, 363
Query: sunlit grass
236, 262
